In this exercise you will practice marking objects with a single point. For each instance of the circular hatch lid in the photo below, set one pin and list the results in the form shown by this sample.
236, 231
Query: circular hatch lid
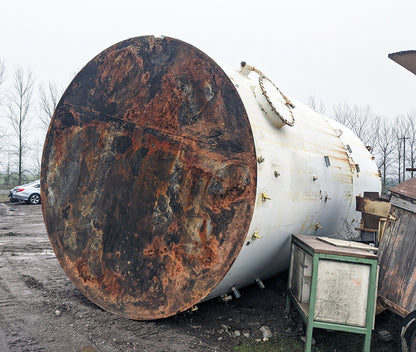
275, 104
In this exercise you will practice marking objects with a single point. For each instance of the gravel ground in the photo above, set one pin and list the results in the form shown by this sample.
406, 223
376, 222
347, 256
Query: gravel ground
41, 310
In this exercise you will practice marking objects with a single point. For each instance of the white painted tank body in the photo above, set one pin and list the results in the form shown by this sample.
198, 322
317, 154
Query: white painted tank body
200, 208
307, 181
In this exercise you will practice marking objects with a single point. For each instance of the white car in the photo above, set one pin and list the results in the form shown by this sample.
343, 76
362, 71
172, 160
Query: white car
30, 193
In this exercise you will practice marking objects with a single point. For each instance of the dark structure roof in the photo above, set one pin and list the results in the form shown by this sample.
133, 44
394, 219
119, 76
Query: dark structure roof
406, 188
407, 59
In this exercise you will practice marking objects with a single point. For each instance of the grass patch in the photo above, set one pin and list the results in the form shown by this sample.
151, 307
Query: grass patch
4, 197
276, 344
325, 342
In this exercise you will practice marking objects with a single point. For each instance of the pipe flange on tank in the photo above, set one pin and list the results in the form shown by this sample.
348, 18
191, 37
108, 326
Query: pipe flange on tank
276, 106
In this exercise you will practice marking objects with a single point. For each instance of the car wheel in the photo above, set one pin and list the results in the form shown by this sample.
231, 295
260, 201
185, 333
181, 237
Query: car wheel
34, 199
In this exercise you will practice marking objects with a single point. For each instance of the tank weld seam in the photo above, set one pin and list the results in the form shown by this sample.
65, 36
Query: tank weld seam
154, 129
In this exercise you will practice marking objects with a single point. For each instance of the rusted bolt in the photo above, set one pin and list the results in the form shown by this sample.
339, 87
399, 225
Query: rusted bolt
317, 226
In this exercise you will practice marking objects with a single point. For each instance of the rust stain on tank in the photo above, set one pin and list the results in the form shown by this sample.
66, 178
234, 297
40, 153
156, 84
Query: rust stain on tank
148, 177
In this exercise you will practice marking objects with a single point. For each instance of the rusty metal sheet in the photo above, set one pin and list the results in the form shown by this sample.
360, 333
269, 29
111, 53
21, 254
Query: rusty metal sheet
379, 207
148, 177
407, 59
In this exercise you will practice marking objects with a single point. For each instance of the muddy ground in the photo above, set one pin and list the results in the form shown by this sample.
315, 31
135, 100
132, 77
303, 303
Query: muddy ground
41, 310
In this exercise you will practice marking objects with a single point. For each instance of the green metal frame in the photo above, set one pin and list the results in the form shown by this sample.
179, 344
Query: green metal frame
309, 317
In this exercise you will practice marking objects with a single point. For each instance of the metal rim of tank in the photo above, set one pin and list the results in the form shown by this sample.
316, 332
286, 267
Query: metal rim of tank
289, 119
148, 177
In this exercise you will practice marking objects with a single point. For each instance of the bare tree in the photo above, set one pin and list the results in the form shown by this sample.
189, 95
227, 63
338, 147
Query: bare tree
386, 146
3, 144
49, 98
2, 79
20, 99
364, 123
2, 129
316, 104
398, 132
373, 134
410, 123
37, 161
361, 120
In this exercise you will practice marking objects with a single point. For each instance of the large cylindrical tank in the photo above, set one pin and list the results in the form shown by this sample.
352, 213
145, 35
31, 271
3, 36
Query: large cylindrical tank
168, 179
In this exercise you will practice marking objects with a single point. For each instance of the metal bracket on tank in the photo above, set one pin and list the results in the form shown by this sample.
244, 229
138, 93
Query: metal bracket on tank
260, 284
237, 293
264, 197
226, 297
246, 69
256, 235
318, 226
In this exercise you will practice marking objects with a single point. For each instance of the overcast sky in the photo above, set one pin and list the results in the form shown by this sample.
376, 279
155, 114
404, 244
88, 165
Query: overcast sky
334, 50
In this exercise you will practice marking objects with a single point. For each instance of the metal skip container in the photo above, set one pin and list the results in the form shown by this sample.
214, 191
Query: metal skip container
168, 179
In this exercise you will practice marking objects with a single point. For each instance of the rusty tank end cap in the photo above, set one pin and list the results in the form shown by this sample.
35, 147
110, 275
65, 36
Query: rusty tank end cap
148, 177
